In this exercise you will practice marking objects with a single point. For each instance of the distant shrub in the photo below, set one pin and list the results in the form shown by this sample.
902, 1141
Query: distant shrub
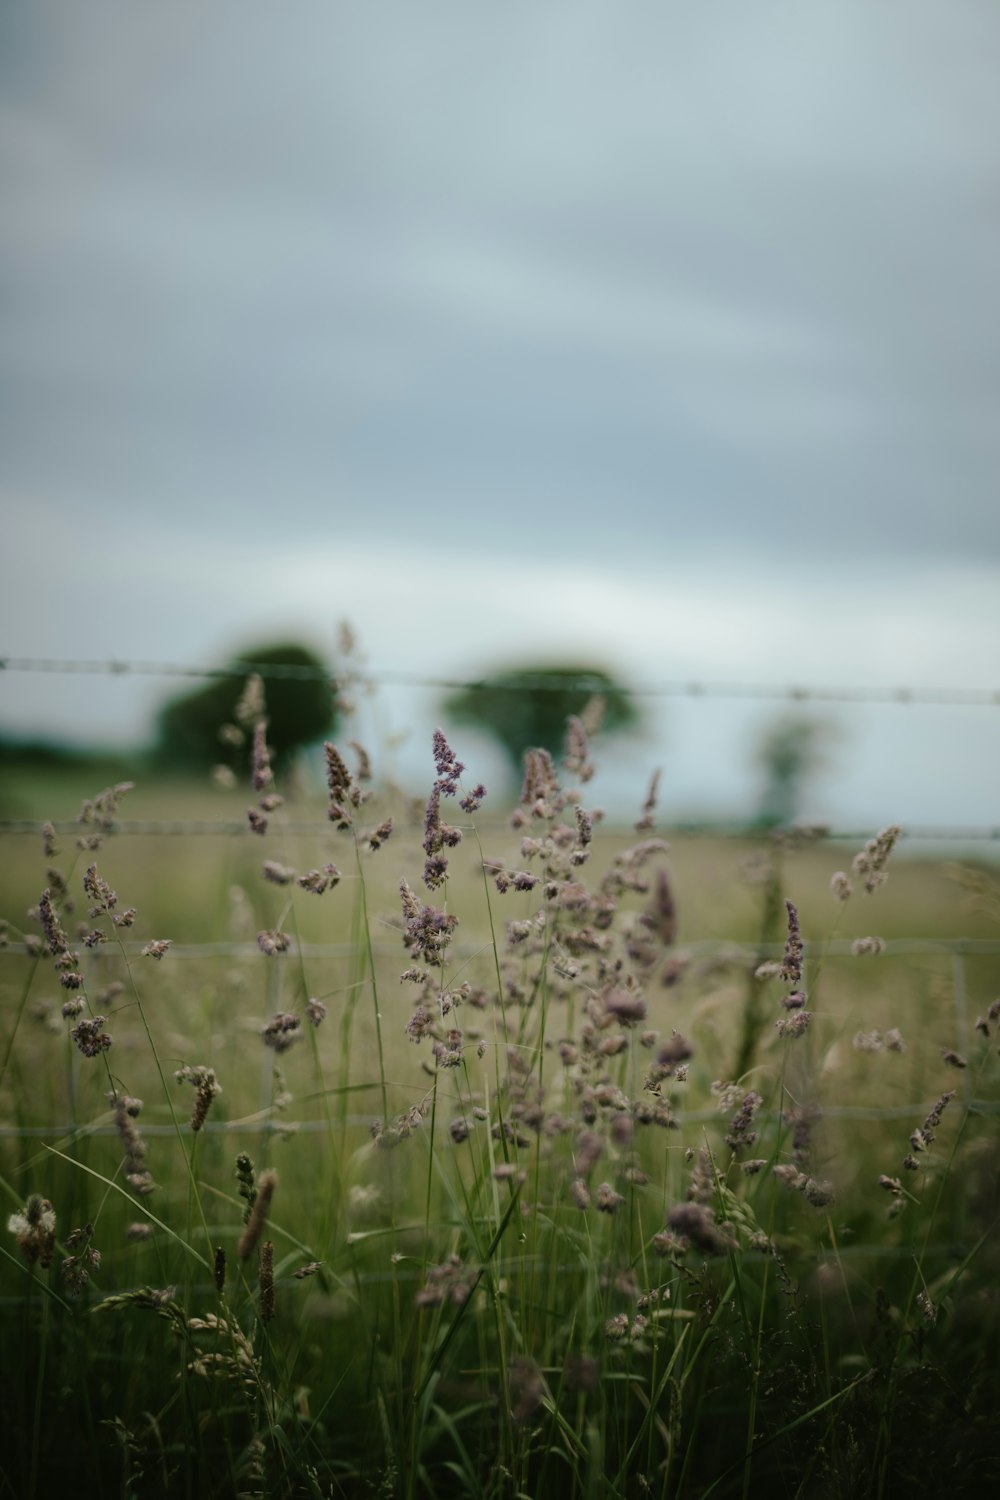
197, 728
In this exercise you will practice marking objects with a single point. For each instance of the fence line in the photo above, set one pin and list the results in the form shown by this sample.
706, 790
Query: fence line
732, 950
71, 1134
238, 827
940, 697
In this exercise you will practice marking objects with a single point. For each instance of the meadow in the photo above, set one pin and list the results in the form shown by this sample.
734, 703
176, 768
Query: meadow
365, 1148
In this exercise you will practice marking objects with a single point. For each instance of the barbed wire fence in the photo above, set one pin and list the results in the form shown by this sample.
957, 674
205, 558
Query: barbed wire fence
958, 950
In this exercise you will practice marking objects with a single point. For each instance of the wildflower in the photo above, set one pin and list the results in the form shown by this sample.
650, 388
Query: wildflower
677, 1050
893, 1039
576, 750
474, 800
791, 964
137, 1233
309, 1269
427, 929
277, 873
580, 1193
379, 835
341, 787
507, 1171
103, 897
126, 1111
262, 775
817, 1193
271, 942
316, 1011
100, 812
250, 705
318, 881
874, 857
868, 1041
841, 886
669, 1243
156, 948
751, 1168
617, 1327
646, 821
206, 1087
606, 1200
954, 1059
55, 938
741, 1132
89, 1037
246, 1177
257, 821
794, 1025
259, 1210
928, 1310
34, 1229
660, 918
450, 1281
282, 1031
459, 1129
867, 945
76, 1269
449, 768
696, 1222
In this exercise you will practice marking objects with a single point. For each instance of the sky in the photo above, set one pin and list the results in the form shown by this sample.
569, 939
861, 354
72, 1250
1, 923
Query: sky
660, 336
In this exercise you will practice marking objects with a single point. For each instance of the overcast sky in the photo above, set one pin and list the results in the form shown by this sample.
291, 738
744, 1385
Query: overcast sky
663, 335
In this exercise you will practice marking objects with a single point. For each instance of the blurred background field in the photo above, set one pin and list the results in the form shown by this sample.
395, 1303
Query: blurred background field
562, 352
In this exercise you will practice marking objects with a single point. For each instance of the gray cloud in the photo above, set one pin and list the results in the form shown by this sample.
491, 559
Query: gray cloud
690, 278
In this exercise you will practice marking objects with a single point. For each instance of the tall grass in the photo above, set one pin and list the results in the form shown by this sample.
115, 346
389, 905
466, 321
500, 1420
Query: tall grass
582, 1206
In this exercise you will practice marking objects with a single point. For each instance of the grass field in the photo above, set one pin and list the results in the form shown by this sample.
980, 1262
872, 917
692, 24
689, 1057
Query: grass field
580, 1207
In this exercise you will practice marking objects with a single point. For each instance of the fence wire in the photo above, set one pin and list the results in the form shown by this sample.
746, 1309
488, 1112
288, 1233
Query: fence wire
942, 697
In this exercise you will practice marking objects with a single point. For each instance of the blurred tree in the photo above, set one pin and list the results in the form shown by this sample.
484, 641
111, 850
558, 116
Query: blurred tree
203, 727
789, 752
527, 707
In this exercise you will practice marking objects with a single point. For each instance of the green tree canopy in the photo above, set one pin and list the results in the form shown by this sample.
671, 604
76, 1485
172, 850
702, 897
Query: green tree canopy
528, 707
299, 708
789, 753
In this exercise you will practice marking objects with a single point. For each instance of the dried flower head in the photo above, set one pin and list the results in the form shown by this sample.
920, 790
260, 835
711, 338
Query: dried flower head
156, 948
273, 941
260, 1208
282, 1031
871, 863
791, 964
646, 822
206, 1087
89, 1037
34, 1229
318, 881
696, 1223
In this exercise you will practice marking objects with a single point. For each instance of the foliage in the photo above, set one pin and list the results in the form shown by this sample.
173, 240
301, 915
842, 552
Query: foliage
300, 710
514, 1226
789, 752
528, 707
